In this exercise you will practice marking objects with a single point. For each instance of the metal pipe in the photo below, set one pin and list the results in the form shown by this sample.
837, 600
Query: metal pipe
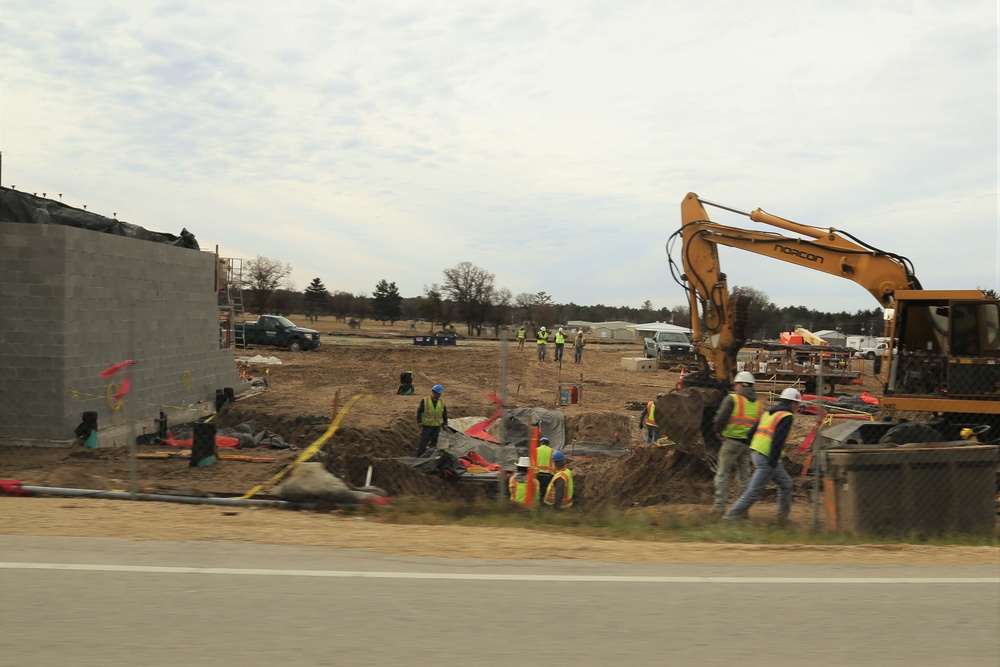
191, 500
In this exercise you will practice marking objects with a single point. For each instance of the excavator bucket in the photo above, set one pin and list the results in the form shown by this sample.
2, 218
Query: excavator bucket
685, 416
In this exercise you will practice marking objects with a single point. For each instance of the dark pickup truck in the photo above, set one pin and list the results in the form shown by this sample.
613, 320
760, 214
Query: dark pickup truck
278, 332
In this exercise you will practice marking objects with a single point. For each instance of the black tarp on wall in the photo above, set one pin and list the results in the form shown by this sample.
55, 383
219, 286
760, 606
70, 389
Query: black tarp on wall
17, 206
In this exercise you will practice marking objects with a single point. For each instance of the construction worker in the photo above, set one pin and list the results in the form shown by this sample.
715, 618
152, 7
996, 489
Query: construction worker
543, 465
541, 338
767, 448
733, 421
578, 344
518, 489
560, 492
521, 335
432, 414
648, 420
560, 342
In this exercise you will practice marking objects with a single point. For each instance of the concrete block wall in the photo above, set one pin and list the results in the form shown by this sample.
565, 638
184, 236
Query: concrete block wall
73, 302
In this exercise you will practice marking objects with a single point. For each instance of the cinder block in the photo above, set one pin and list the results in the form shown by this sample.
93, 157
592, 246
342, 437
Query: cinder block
638, 364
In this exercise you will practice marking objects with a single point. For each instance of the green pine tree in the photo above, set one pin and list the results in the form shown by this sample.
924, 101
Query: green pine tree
316, 299
386, 302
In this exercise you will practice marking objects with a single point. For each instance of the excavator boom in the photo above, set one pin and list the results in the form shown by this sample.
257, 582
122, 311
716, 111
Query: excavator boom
944, 350
719, 332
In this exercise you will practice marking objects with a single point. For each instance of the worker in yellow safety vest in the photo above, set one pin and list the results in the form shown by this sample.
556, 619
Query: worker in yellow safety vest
543, 465
767, 448
520, 489
432, 414
521, 335
541, 338
560, 343
733, 421
560, 493
647, 420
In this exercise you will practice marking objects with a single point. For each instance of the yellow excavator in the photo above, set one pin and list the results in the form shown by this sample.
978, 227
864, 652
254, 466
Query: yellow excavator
944, 352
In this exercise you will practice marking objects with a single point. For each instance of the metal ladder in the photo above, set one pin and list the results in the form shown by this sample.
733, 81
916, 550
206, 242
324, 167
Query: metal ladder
234, 289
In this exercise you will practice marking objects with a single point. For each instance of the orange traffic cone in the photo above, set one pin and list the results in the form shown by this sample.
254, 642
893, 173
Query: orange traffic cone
680, 380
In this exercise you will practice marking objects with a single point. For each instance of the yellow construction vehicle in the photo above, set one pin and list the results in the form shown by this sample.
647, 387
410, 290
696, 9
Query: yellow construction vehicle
943, 354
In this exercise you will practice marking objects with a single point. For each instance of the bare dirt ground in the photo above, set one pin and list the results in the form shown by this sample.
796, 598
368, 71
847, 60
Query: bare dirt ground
300, 401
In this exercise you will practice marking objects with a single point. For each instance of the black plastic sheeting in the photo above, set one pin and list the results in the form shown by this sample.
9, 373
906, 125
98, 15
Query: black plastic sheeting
519, 420
453, 445
17, 206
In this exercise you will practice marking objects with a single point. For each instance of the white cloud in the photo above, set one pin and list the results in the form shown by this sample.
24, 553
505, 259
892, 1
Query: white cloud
550, 144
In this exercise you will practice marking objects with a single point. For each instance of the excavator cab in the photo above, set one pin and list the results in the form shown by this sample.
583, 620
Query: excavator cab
944, 348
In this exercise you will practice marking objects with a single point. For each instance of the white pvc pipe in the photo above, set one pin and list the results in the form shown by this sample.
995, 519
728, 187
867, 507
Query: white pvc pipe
191, 500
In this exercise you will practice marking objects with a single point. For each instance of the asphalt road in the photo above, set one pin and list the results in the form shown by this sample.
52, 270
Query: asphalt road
83, 601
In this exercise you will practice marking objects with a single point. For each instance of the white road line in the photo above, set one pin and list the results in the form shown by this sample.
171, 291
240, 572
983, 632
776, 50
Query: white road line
358, 574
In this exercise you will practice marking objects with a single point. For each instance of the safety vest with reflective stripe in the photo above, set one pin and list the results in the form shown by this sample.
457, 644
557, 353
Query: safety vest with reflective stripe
560, 338
550, 493
742, 419
433, 415
519, 491
651, 413
764, 435
543, 460
521, 334
542, 337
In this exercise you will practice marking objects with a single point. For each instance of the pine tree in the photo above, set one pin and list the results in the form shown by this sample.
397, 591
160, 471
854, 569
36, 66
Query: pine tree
386, 302
316, 299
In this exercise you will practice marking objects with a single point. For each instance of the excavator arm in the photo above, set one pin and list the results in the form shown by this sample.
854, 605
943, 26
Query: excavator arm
947, 339
718, 334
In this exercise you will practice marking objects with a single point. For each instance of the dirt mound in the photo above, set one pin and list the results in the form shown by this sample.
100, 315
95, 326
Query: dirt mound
650, 476
70, 477
599, 427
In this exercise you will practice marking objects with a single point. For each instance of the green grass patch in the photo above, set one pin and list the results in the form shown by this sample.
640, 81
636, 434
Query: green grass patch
660, 524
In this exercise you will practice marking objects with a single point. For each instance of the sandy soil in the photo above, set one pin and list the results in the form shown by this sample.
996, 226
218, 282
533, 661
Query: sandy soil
77, 517
301, 398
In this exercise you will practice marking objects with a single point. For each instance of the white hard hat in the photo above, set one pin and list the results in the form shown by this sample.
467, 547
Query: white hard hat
560, 328
524, 462
745, 377
791, 394
542, 329
579, 330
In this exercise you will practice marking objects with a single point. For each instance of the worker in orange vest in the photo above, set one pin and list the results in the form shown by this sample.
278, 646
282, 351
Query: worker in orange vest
734, 419
560, 493
520, 489
767, 449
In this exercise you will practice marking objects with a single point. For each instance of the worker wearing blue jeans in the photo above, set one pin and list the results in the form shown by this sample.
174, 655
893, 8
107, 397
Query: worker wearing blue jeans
767, 444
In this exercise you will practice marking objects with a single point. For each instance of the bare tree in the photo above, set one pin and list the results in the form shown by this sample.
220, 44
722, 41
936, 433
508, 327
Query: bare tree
362, 306
262, 276
430, 304
342, 305
759, 309
502, 302
525, 302
681, 316
471, 288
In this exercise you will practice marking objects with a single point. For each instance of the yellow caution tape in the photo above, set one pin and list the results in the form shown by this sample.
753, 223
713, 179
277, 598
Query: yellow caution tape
115, 405
311, 449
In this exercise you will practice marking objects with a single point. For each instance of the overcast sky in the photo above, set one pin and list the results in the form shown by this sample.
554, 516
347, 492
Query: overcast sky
550, 143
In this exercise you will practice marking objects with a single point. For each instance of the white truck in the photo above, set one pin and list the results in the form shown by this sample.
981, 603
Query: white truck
871, 351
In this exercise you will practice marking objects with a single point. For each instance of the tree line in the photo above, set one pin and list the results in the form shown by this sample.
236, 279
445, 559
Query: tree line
468, 296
